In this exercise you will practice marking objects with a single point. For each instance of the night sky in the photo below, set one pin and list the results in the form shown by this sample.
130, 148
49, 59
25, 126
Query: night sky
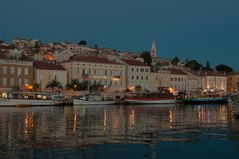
193, 29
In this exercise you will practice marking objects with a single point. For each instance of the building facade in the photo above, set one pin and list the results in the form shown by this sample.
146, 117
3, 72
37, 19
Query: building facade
213, 81
178, 79
233, 82
97, 70
45, 72
137, 73
15, 73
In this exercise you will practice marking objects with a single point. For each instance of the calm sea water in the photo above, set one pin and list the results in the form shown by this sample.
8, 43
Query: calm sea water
119, 132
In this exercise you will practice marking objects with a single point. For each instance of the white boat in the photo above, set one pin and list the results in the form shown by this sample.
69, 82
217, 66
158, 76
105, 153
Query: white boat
31, 99
92, 99
28, 102
151, 98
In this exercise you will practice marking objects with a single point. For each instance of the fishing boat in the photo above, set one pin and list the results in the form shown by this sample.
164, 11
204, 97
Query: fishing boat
92, 99
24, 99
150, 98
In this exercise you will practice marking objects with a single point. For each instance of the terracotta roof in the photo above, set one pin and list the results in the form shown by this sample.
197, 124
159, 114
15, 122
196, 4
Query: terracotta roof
134, 62
176, 71
47, 66
93, 59
212, 73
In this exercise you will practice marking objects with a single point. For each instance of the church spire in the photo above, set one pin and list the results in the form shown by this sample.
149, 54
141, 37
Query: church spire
154, 49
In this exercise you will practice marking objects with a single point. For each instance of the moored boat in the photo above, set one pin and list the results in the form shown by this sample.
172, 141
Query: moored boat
26, 99
150, 98
92, 99
216, 100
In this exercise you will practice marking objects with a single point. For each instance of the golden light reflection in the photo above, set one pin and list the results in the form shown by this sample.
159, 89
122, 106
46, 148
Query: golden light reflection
171, 118
29, 123
75, 121
105, 120
131, 119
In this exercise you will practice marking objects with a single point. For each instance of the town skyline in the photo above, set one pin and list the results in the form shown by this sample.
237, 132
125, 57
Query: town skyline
205, 30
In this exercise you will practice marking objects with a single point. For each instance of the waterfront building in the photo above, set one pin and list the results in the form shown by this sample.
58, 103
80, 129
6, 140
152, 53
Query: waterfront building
15, 73
194, 82
97, 70
137, 74
178, 79
44, 72
233, 82
159, 79
213, 81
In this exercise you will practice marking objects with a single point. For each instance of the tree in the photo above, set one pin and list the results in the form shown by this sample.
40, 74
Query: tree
194, 65
138, 88
95, 87
83, 43
54, 84
74, 85
224, 68
175, 61
147, 58
207, 67
36, 86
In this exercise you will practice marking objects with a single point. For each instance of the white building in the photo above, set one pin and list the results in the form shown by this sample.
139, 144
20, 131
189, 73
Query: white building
45, 72
214, 81
159, 79
137, 73
178, 79
194, 82
97, 70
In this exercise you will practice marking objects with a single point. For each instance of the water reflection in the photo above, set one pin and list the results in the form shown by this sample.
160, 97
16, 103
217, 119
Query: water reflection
50, 132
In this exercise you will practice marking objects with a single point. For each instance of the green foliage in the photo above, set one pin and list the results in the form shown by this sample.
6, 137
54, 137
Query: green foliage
95, 87
36, 86
83, 43
208, 65
207, 68
74, 85
194, 65
84, 85
54, 84
138, 88
224, 68
147, 57
175, 61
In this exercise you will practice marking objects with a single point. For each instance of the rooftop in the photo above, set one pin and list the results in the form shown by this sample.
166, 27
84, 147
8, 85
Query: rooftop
133, 62
93, 59
176, 71
212, 73
47, 66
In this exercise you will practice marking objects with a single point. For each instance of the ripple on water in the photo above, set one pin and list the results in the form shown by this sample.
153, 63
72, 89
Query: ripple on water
118, 132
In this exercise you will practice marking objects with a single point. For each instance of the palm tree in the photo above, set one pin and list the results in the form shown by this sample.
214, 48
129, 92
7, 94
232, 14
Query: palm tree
54, 84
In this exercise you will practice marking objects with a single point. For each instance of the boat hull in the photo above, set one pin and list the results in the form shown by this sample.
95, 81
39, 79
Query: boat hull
77, 102
28, 102
150, 101
205, 101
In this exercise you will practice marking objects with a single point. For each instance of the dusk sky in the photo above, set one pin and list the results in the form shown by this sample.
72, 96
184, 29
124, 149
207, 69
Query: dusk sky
194, 29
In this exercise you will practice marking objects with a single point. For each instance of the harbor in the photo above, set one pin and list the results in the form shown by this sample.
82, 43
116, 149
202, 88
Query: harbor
107, 131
